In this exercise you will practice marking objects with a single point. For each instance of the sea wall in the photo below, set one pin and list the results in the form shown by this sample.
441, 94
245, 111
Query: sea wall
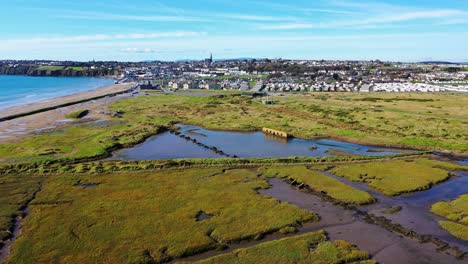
275, 132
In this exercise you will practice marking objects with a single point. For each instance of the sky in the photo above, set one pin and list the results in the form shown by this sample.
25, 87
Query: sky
136, 30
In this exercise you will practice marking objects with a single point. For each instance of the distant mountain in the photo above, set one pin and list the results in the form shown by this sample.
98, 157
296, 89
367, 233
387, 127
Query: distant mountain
236, 59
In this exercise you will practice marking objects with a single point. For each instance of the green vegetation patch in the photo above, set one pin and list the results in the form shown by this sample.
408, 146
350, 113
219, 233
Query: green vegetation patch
396, 176
77, 114
456, 229
457, 212
130, 217
321, 183
308, 248
79, 141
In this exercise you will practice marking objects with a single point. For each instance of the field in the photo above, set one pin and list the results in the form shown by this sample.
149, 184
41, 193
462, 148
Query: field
308, 248
55, 68
82, 209
130, 214
456, 212
426, 121
397, 176
321, 183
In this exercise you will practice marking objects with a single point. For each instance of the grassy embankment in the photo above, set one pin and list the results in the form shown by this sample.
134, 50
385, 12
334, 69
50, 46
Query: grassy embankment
335, 152
131, 216
321, 183
308, 248
398, 176
456, 212
401, 120
53, 167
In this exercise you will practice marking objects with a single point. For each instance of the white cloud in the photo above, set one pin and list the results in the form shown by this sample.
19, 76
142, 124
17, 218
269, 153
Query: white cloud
138, 50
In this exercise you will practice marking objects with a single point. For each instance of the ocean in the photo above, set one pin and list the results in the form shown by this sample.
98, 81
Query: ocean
20, 90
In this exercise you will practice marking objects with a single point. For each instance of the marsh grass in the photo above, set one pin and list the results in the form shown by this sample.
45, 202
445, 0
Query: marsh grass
15, 192
133, 216
456, 229
397, 176
320, 183
402, 122
71, 166
307, 248
457, 212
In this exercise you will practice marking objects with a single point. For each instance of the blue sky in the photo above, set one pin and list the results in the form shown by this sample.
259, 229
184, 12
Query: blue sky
137, 30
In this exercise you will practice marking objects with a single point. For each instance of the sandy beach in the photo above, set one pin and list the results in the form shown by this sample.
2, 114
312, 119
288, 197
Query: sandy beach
20, 127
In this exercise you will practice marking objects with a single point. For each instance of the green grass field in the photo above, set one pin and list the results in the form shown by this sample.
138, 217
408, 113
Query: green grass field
456, 212
133, 214
308, 248
51, 68
321, 183
397, 176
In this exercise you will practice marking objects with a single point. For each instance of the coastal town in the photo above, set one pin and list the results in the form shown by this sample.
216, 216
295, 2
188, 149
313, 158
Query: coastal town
263, 75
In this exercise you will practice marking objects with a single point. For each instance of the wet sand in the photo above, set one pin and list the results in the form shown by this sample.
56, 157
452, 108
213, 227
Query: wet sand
21, 127
69, 99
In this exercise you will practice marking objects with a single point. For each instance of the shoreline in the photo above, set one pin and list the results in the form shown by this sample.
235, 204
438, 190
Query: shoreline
63, 101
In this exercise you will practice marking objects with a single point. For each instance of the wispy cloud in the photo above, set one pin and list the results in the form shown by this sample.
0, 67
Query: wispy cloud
106, 37
248, 17
137, 50
303, 9
117, 16
415, 15
378, 21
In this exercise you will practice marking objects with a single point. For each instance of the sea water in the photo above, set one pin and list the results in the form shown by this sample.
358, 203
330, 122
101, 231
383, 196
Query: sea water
18, 90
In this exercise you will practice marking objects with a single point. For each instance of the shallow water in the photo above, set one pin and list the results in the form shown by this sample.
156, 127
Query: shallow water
415, 213
383, 245
87, 185
243, 145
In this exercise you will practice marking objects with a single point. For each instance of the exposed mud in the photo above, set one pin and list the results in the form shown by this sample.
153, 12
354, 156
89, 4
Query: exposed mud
386, 241
414, 213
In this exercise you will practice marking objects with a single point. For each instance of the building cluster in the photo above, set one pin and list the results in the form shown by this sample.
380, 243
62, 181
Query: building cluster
279, 75
302, 76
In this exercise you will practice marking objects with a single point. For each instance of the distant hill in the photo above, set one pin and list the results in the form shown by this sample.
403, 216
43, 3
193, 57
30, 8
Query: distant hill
443, 62
218, 60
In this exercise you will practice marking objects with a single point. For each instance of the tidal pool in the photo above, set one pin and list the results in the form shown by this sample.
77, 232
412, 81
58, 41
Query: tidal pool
240, 144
